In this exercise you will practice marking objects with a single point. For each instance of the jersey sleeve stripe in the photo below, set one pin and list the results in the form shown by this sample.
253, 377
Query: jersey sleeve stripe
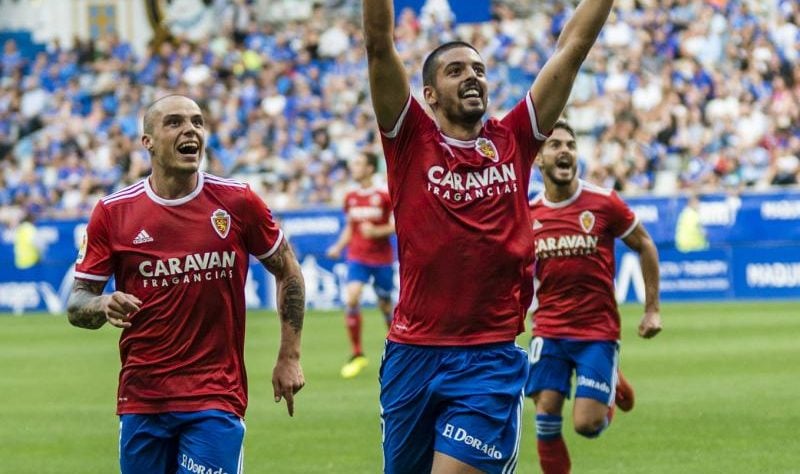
630, 229
534, 121
394, 131
87, 276
274, 247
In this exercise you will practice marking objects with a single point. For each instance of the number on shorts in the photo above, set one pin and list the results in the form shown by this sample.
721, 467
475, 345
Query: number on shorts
535, 351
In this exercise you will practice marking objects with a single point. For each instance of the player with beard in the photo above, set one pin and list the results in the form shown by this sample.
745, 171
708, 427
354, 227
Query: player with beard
577, 324
178, 245
452, 377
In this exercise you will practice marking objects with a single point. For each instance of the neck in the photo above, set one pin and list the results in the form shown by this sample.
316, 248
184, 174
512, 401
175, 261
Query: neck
365, 182
173, 186
458, 130
560, 192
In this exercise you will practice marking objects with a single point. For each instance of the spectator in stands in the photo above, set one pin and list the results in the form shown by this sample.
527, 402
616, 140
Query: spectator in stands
689, 232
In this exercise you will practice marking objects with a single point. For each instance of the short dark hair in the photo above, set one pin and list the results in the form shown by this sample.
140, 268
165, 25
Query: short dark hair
372, 160
563, 125
429, 66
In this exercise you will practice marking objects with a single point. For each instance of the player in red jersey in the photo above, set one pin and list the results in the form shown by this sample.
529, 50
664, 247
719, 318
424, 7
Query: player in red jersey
178, 244
577, 326
452, 377
369, 251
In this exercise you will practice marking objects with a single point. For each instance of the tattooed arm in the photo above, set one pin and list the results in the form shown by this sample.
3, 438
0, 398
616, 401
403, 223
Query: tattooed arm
88, 308
287, 376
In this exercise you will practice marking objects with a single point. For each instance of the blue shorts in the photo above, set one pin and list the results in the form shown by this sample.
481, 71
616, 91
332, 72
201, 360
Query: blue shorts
209, 441
382, 277
465, 402
594, 363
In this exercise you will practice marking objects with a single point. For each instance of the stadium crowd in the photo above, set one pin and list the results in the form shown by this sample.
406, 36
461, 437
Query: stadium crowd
676, 94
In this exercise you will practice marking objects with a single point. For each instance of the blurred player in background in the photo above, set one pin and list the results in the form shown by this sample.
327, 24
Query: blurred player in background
178, 244
577, 324
451, 370
369, 251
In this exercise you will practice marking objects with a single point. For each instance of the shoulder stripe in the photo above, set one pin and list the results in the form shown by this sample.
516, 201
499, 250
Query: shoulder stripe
210, 178
130, 190
130, 195
597, 189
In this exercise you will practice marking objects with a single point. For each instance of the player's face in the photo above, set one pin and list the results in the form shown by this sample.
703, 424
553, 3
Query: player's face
359, 168
461, 89
558, 158
178, 137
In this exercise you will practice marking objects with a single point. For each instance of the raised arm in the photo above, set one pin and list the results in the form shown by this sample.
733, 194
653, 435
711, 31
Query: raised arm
88, 308
388, 80
553, 84
287, 376
640, 242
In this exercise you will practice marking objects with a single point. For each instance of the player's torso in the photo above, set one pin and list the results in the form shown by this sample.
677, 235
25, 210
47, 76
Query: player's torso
159, 249
463, 234
372, 206
574, 248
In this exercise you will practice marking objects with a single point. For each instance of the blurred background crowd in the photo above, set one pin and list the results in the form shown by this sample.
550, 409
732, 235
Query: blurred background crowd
676, 95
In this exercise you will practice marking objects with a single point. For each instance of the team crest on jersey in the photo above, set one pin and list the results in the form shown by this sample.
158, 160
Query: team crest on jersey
486, 148
587, 221
221, 221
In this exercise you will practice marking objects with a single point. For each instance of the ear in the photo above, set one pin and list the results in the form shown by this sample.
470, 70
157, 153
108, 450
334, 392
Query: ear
429, 93
147, 142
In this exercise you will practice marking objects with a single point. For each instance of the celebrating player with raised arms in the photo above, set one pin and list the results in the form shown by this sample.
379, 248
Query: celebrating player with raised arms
577, 326
178, 244
451, 370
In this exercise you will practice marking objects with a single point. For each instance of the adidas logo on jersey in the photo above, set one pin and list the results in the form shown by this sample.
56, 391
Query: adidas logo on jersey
142, 237
537, 224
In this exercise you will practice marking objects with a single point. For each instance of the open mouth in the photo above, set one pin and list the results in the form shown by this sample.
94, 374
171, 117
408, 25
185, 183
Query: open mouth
471, 92
564, 163
189, 148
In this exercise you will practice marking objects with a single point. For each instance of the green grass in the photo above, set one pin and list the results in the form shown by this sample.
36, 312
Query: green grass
716, 393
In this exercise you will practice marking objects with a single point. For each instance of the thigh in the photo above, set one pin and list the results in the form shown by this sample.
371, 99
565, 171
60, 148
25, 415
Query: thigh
408, 408
550, 367
383, 281
211, 441
357, 272
480, 420
596, 370
147, 445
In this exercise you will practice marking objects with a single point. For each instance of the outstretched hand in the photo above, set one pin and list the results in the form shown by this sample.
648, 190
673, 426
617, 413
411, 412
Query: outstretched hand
287, 380
650, 325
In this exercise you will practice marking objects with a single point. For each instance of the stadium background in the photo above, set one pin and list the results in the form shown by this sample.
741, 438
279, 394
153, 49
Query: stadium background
677, 97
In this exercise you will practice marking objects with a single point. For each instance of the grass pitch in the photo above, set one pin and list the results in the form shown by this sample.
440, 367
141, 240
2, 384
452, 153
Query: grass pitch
716, 393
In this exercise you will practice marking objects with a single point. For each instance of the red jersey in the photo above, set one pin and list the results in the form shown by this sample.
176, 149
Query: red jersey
186, 260
463, 230
574, 282
368, 205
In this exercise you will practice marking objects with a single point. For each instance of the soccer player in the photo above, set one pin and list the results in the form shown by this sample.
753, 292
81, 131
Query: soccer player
452, 377
577, 325
369, 251
177, 244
